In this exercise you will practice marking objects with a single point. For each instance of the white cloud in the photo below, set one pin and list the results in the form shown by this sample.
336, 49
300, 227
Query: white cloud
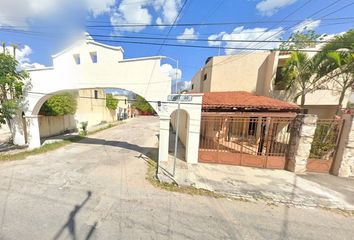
22, 56
168, 8
171, 72
131, 12
19, 12
214, 37
240, 33
188, 34
270, 7
307, 24
98, 7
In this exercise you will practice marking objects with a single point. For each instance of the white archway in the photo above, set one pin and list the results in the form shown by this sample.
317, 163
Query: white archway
75, 69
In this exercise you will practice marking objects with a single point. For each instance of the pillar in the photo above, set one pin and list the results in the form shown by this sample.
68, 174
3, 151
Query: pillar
164, 138
343, 165
34, 139
18, 130
192, 145
301, 137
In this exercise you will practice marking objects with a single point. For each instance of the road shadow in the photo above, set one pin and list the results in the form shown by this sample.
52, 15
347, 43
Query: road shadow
118, 144
70, 224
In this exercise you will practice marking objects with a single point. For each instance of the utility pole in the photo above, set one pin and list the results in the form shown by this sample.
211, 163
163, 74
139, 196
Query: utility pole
176, 76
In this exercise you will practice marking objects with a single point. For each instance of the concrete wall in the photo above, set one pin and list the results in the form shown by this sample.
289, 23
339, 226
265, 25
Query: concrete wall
55, 125
234, 73
183, 125
92, 110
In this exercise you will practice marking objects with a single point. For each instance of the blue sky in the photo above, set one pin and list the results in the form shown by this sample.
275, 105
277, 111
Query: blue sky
20, 18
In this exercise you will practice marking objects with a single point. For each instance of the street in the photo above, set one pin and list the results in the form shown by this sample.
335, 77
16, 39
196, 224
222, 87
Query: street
96, 189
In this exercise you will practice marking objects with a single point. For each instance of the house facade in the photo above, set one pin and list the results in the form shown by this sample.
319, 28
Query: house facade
259, 73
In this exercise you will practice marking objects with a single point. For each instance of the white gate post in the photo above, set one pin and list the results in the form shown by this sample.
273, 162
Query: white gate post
18, 130
164, 138
34, 139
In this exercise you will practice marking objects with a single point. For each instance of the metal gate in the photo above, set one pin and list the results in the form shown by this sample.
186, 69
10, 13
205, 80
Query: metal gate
324, 145
256, 141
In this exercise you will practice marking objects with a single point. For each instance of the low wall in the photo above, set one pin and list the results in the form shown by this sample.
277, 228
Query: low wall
54, 125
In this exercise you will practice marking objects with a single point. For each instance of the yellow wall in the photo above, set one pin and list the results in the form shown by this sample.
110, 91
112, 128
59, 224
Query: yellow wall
55, 125
92, 110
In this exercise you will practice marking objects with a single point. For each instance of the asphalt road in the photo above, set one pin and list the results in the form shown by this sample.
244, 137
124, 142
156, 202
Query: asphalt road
96, 189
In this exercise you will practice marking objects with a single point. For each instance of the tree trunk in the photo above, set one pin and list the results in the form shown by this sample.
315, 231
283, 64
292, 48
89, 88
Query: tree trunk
302, 104
341, 98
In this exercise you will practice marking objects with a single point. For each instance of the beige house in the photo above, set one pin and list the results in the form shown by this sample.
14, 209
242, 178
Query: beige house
258, 73
123, 109
91, 107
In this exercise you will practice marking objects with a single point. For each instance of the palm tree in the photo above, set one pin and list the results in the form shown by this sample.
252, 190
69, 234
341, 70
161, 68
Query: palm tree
298, 74
336, 62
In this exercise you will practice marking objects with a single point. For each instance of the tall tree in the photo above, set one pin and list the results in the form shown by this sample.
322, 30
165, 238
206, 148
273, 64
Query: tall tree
12, 80
298, 75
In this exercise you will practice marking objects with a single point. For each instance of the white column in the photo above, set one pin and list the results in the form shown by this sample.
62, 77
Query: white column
18, 130
34, 139
164, 138
192, 145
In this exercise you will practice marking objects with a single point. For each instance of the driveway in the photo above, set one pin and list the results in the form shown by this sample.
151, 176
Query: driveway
96, 189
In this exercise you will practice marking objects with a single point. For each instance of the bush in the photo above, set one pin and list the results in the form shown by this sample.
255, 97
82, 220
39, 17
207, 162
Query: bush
142, 105
59, 105
111, 102
84, 127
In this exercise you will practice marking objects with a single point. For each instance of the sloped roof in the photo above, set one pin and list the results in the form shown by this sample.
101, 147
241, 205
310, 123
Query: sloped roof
241, 99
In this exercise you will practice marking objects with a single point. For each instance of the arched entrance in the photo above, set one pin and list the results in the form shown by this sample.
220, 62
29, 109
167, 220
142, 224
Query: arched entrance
74, 69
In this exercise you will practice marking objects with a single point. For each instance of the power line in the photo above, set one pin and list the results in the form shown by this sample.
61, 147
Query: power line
213, 40
130, 25
164, 41
289, 27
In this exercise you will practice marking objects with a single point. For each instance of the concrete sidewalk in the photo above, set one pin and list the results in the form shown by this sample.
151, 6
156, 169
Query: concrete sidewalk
272, 186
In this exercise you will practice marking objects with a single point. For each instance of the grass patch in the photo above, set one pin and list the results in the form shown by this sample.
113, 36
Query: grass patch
43, 149
151, 178
51, 146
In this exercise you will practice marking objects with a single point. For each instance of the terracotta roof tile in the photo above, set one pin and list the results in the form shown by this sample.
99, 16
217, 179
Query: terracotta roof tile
240, 99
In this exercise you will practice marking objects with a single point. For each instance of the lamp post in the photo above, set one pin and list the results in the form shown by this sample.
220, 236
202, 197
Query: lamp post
177, 66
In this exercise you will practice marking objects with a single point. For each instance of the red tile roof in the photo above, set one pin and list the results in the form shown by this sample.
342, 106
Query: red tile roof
239, 99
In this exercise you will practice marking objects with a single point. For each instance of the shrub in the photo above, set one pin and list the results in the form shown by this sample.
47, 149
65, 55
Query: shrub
111, 102
59, 105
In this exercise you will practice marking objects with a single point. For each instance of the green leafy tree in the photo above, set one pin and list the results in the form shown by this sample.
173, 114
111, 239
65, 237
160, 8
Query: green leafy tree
300, 40
298, 75
59, 105
141, 104
12, 82
336, 62
111, 102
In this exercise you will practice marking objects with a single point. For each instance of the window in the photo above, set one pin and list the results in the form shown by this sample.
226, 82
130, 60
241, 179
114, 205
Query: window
192, 86
96, 94
279, 82
205, 77
93, 57
77, 59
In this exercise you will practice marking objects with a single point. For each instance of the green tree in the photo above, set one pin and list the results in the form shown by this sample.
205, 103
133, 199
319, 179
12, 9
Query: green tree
141, 104
298, 73
12, 81
300, 40
336, 62
59, 105
111, 102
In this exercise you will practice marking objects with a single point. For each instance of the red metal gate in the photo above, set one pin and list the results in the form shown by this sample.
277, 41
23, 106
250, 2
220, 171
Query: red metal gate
256, 141
324, 145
